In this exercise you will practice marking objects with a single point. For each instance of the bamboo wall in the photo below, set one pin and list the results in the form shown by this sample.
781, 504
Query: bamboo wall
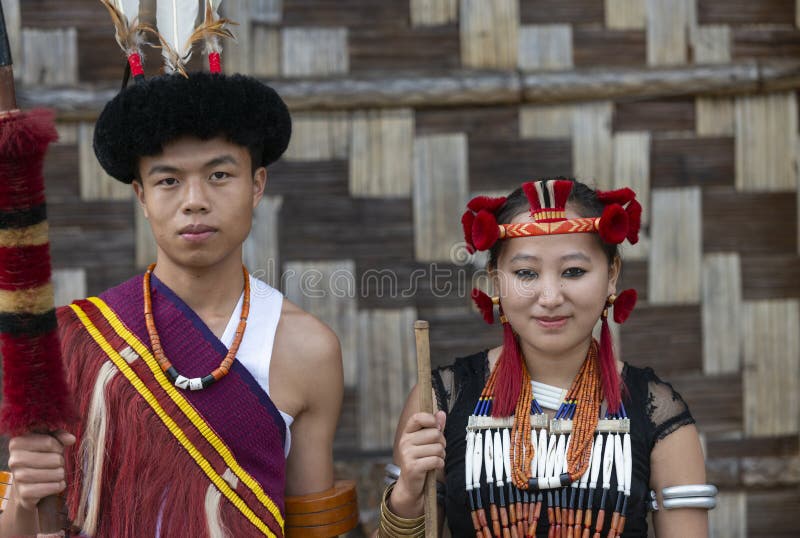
403, 109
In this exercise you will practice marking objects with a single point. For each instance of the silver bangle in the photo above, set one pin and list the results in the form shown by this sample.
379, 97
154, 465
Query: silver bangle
690, 502
392, 473
689, 490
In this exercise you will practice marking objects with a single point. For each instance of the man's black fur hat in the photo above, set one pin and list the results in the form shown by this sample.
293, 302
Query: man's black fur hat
145, 116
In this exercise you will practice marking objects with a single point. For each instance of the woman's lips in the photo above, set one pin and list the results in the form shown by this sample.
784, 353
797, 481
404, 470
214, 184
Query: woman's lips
555, 322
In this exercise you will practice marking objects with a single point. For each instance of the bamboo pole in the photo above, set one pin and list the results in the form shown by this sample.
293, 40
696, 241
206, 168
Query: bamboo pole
426, 406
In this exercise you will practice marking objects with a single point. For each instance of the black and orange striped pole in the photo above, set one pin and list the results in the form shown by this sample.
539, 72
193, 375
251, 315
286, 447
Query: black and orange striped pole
34, 387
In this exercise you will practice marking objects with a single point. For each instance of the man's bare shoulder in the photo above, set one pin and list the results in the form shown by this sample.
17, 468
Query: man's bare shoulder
308, 339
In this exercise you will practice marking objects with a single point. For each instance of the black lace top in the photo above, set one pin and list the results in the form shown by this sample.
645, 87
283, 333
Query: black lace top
654, 408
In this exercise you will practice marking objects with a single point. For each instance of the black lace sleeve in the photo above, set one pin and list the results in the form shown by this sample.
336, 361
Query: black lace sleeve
666, 409
443, 382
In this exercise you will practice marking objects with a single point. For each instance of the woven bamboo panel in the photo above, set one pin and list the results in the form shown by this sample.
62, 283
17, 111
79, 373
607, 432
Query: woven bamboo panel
625, 14
771, 366
668, 25
592, 145
95, 184
387, 370
729, 518
13, 19
327, 288
722, 306
766, 142
440, 193
314, 51
545, 121
68, 285
381, 143
266, 50
49, 57
319, 136
676, 248
543, 47
489, 30
712, 44
632, 169
146, 249
433, 12
261, 249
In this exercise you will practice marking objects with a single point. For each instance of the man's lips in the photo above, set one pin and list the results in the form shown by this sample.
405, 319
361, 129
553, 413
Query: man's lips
196, 232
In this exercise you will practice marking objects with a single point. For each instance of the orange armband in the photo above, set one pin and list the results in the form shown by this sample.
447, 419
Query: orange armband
321, 515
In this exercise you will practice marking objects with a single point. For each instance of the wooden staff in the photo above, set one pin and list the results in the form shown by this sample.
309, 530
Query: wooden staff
426, 406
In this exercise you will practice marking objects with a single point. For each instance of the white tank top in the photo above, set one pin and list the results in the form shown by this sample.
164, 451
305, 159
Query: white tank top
255, 350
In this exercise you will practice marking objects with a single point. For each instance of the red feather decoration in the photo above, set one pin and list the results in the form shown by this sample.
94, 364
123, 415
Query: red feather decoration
619, 196
486, 202
508, 383
634, 211
561, 190
529, 188
484, 304
467, 220
613, 224
624, 305
609, 377
485, 231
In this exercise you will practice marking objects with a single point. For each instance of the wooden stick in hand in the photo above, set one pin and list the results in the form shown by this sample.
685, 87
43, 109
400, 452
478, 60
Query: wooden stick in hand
426, 406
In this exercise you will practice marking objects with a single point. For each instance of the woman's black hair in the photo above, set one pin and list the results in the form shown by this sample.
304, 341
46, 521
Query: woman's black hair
582, 197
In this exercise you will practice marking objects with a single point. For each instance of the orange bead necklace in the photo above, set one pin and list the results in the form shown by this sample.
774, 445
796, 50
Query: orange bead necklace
196, 383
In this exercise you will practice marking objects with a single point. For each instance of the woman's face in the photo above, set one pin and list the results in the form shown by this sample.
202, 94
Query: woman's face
554, 288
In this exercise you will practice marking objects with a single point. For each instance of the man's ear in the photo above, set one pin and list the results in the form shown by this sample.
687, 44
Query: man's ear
259, 184
138, 189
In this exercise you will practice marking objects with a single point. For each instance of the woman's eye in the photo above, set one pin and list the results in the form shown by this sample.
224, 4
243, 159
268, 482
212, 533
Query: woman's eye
574, 272
525, 274
219, 175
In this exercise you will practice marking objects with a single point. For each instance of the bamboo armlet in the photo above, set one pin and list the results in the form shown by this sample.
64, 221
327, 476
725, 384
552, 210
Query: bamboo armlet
324, 514
5, 489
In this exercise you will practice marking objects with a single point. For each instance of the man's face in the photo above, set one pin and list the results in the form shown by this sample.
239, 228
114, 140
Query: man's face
199, 196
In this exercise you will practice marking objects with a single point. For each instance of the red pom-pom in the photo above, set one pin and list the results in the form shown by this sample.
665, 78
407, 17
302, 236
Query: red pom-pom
467, 219
634, 211
488, 203
624, 304
613, 224
485, 231
619, 196
508, 383
484, 304
529, 189
609, 377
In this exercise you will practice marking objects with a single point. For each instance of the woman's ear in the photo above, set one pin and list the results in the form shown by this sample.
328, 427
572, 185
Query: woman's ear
613, 275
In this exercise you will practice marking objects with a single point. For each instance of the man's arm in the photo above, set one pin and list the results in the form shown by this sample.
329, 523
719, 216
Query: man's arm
310, 365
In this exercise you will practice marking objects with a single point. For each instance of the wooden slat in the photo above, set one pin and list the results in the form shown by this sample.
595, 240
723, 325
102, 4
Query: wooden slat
380, 152
676, 249
319, 136
594, 46
727, 228
545, 47
67, 132
715, 116
480, 123
266, 11
441, 184
332, 226
265, 50
314, 51
682, 161
667, 338
714, 400
351, 13
745, 11
766, 142
769, 42
260, 250
722, 304
545, 122
95, 184
712, 44
676, 114
592, 147
771, 366
458, 333
625, 14
238, 55
323, 178
433, 12
49, 57
773, 514
68, 285
61, 172
326, 288
632, 169
489, 33
12, 15
742, 447
668, 23
387, 371
634, 275
383, 49
577, 12
729, 518
770, 276
522, 160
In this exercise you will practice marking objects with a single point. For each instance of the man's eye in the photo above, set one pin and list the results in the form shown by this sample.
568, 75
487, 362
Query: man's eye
525, 274
168, 181
573, 272
219, 175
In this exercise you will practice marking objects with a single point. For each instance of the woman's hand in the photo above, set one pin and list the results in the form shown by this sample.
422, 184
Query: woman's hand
419, 449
